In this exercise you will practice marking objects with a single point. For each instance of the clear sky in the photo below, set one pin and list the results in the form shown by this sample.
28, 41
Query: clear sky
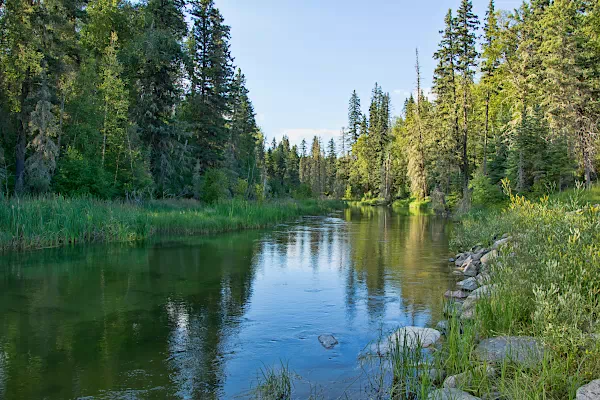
302, 59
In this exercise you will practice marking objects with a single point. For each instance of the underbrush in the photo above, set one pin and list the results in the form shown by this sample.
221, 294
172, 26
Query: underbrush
34, 223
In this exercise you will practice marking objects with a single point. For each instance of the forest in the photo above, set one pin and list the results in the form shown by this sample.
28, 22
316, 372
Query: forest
132, 100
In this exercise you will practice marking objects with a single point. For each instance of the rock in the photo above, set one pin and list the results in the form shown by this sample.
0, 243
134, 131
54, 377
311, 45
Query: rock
456, 294
436, 375
457, 273
450, 394
476, 295
482, 252
523, 350
470, 269
451, 260
442, 326
489, 257
452, 308
483, 279
468, 314
410, 336
468, 284
328, 341
591, 391
461, 258
465, 379
499, 243
506, 235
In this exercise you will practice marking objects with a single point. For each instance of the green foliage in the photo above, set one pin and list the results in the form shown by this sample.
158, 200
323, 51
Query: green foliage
483, 191
78, 175
215, 186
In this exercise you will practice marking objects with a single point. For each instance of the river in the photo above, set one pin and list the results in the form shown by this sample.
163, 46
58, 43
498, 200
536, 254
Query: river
198, 317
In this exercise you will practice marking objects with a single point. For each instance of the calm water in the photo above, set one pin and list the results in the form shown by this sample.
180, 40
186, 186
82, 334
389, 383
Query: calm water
198, 317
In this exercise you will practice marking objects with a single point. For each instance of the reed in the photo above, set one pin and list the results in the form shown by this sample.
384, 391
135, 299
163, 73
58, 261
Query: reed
53, 221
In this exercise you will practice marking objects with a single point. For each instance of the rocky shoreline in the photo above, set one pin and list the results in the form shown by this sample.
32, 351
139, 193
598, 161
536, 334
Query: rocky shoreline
475, 267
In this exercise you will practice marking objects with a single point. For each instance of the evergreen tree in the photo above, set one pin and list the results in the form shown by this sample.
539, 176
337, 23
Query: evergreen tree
466, 38
43, 125
354, 118
210, 72
157, 88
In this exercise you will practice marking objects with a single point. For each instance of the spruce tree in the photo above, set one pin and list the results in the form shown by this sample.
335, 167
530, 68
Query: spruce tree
354, 118
466, 38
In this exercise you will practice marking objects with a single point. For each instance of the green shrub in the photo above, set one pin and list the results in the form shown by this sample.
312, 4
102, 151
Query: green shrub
484, 192
214, 186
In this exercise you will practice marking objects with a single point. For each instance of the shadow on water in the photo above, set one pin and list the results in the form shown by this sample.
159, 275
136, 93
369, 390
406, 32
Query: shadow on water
198, 317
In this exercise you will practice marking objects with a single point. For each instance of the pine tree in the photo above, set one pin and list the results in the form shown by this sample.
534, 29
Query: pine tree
445, 89
210, 72
243, 129
43, 126
491, 61
158, 89
354, 118
466, 38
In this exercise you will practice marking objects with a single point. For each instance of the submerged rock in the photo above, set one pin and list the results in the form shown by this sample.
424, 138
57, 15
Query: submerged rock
591, 391
328, 341
450, 394
409, 336
522, 350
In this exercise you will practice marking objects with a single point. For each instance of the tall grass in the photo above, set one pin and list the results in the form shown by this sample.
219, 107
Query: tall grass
53, 221
548, 287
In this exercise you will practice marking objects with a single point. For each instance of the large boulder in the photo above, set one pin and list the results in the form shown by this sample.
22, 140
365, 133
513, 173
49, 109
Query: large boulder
523, 350
591, 391
410, 336
469, 284
450, 394
328, 341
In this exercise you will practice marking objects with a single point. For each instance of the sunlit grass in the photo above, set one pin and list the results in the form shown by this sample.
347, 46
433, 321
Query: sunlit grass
54, 221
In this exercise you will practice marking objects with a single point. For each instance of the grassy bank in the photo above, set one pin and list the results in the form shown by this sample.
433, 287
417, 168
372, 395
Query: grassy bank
548, 287
58, 221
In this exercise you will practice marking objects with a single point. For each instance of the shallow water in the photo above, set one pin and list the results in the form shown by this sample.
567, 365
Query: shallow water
199, 317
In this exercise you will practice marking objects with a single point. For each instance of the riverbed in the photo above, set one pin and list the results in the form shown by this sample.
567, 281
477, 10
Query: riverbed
199, 317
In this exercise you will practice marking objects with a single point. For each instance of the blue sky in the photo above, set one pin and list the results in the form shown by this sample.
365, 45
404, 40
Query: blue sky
302, 59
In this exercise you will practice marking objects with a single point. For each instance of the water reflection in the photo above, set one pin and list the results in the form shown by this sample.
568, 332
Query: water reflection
198, 317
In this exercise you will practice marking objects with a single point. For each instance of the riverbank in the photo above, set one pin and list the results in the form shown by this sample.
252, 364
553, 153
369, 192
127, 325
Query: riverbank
28, 224
530, 325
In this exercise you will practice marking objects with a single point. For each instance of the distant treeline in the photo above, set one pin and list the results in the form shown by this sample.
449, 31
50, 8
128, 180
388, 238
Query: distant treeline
121, 99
